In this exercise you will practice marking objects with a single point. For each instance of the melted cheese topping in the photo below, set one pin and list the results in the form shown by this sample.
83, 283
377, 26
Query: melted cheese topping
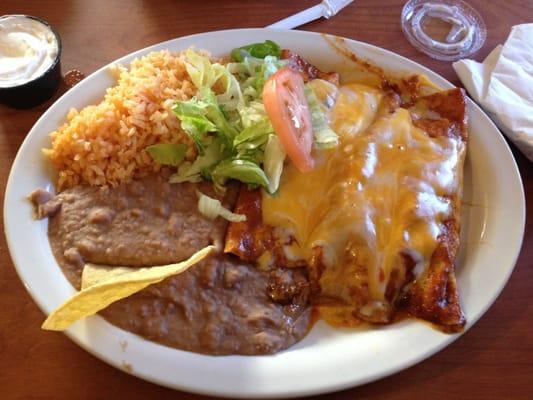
385, 190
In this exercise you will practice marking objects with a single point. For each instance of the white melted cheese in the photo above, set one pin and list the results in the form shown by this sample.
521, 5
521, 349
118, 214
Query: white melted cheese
385, 190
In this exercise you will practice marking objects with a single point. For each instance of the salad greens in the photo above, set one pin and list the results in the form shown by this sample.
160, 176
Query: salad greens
257, 50
228, 123
167, 154
273, 164
240, 169
324, 135
212, 208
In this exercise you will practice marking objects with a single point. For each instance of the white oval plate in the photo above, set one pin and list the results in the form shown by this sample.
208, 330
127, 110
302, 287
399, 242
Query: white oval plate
327, 359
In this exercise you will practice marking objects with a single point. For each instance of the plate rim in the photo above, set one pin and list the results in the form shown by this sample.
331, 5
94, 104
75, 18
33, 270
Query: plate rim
263, 394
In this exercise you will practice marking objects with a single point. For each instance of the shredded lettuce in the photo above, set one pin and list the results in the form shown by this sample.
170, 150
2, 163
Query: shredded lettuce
254, 136
273, 162
202, 72
203, 114
202, 166
242, 170
258, 50
205, 75
324, 136
326, 93
222, 110
167, 153
253, 113
196, 126
212, 208
254, 72
228, 123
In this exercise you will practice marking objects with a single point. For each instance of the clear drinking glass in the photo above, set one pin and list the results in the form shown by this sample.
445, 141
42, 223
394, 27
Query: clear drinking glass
443, 29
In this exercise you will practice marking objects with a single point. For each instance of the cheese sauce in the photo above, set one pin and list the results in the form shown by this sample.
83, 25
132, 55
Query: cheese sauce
383, 192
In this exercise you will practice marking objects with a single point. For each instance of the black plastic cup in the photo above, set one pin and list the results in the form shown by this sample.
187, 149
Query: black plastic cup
40, 88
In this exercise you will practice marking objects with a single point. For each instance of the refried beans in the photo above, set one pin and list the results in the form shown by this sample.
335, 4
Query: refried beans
220, 306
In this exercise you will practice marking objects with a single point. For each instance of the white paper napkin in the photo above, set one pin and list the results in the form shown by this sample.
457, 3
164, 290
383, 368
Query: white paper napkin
503, 85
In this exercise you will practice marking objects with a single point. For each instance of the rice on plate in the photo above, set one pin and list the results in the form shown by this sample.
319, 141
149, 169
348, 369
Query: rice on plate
105, 143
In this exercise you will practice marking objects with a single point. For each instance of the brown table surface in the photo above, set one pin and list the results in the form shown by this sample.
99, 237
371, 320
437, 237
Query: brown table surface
492, 360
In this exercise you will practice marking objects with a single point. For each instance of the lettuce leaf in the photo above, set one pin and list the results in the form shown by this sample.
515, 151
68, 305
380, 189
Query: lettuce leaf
202, 166
239, 122
212, 208
202, 114
242, 170
326, 93
257, 50
202, 72
324, 136
253, 114
228, 122
250, 142
273, 162
253, 73
167, 153
205, 75
254, 135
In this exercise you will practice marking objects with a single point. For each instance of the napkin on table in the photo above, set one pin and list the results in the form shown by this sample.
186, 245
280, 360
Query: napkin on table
503, 85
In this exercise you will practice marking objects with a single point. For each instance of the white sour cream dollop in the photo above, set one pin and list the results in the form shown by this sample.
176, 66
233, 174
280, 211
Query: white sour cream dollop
27, 49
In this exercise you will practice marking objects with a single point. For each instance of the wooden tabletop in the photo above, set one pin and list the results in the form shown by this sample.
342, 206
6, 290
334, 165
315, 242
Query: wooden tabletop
492, 360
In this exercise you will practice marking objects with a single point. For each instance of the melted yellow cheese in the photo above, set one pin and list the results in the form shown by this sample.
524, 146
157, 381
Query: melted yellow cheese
384, 191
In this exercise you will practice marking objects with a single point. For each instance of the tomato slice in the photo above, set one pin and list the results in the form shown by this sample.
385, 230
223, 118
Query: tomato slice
286, 106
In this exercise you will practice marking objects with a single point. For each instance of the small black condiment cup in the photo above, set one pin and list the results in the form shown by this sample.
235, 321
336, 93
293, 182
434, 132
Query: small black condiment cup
40, 88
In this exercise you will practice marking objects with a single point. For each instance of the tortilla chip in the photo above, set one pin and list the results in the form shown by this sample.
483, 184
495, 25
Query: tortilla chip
94, 273
103, 285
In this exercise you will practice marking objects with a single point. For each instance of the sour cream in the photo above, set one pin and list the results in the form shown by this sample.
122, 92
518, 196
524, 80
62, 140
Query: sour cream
28, 48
